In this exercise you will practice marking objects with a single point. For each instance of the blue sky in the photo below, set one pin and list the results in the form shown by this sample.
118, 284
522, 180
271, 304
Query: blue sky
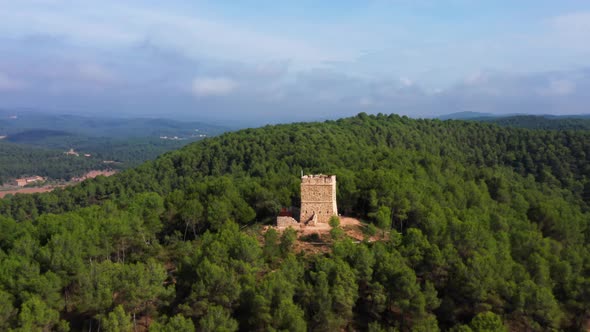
272, 61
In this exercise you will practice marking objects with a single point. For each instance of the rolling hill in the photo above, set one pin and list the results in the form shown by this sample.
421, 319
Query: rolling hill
14, 121
18, 161
482, 227
35, 136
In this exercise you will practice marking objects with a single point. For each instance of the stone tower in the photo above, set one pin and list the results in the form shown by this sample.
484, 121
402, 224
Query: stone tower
318, 197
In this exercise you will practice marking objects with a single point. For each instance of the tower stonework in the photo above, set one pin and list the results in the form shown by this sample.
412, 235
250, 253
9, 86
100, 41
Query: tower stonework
318, 197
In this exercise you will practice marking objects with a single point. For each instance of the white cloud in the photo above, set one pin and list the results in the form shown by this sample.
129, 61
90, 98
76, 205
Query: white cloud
213, 86
366, 102
569, 32
8, 83
577, 22
95, 73
202, 37
475, 78
560, 87
194, 35
406, 81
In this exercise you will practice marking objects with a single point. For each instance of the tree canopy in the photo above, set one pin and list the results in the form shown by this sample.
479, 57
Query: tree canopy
488, 230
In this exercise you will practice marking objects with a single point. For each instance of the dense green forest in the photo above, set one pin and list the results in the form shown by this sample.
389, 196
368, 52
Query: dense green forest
544, 122
540, 122
17, 160
129, 152
39, 138
487, 231
41, 152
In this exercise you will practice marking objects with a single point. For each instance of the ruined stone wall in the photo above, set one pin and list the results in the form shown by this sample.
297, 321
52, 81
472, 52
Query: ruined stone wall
318, 195
286, 222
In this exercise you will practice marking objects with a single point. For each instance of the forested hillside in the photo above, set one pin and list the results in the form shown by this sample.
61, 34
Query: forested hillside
128, 152
544, 122
17, 161
41, 152
488, 231
38, 138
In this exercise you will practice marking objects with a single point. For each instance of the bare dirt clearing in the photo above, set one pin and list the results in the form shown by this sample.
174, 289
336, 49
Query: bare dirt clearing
27, 190
317, 239
32, 190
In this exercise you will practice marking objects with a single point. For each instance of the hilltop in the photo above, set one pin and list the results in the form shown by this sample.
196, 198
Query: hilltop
478, 226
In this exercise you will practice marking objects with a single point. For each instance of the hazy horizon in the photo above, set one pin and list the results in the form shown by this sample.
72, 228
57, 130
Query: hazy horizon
269, 62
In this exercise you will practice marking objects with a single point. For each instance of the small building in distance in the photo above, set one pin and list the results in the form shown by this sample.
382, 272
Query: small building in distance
71, 152
21, 182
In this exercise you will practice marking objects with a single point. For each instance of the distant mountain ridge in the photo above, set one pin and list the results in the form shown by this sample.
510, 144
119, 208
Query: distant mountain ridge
468, 115
13, 121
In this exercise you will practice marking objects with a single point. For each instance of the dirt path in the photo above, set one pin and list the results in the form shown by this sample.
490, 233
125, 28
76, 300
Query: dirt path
28, 190
93, 174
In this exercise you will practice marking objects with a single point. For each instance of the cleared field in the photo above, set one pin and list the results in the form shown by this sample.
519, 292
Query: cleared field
27, 191
89, 175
